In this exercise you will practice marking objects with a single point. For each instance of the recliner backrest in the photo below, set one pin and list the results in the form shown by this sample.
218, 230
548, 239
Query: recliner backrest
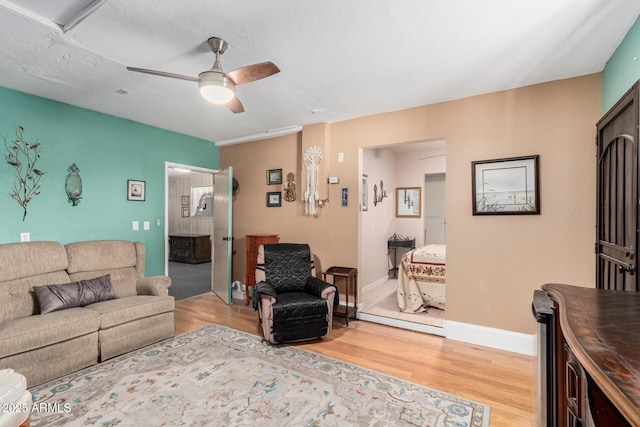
287, 266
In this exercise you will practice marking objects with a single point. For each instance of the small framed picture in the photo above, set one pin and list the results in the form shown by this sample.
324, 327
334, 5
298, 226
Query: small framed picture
274, 176
274, 199
408, 202
185, 211
184, 201
363, 196
136, 190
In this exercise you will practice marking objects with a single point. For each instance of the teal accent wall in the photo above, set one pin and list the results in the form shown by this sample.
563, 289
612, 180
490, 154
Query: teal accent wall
622, 69
109, 151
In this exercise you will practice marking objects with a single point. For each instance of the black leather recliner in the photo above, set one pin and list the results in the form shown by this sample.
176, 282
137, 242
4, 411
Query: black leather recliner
293, 304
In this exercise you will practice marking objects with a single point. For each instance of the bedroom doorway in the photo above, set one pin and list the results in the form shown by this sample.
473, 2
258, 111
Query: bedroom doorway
411, 164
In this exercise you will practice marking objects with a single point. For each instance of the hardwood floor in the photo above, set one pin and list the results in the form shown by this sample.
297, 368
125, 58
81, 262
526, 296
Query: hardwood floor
504, 380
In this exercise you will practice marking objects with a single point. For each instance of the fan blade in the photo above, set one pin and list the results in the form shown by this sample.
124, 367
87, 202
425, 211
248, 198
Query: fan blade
163, 74
235, 105
252, 73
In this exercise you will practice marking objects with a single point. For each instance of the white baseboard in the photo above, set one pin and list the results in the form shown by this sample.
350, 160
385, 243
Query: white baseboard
491, 337
397, 323
371, 286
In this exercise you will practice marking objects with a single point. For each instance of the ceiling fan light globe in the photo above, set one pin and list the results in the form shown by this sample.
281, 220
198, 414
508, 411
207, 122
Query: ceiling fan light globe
215, 87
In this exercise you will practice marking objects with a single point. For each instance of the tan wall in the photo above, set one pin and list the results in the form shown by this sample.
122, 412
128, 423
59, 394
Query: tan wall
494, 263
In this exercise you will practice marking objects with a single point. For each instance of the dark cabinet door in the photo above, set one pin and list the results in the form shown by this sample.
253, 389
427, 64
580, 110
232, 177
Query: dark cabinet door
617, 196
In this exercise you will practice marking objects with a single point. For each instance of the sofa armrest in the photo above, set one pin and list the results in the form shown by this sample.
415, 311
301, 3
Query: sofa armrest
156, 285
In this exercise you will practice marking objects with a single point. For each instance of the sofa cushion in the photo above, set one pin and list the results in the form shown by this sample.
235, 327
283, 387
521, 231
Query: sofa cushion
24, 265
17, 298
77, 294
27, 259
29, 333
118, 311
123, 280
119, 258
100, 255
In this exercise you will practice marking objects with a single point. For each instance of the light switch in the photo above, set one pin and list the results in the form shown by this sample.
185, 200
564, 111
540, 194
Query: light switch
136, 226
158, 222
25, 237
145, 225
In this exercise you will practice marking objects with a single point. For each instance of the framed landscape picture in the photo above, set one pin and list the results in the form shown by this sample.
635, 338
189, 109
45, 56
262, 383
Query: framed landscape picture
506, 186
274, 176
274, 199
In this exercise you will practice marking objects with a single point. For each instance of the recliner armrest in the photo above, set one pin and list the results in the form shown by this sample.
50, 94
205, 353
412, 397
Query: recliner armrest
317, 287
263, 289
156, 285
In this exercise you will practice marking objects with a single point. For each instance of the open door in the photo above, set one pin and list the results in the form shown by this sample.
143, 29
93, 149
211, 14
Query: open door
222, 240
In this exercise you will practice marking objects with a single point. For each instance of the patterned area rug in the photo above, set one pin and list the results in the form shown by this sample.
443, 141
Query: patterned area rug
218, 376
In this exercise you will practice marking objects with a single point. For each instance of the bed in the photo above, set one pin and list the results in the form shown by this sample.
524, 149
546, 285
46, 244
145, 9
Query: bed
422, 278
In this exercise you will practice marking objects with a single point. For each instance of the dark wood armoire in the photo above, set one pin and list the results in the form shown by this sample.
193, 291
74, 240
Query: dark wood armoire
617, 195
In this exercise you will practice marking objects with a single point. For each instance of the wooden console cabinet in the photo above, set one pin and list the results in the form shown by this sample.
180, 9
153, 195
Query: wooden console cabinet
595, 357
190, 248
253, 241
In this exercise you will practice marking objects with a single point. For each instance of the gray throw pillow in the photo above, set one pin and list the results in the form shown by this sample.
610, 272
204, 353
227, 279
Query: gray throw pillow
76, 294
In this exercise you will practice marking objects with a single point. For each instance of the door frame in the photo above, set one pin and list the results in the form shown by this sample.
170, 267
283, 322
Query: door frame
167, 166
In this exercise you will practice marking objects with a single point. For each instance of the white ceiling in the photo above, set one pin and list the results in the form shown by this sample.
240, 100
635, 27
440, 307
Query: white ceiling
339, 59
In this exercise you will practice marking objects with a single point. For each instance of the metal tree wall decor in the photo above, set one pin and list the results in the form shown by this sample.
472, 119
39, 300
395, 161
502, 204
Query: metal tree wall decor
23, 157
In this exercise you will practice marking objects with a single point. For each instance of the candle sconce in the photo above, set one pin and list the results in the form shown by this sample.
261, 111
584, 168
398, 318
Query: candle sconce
377, 197
290, 188
73, 185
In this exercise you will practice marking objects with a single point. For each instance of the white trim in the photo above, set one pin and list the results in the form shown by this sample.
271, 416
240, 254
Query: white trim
262, 135
491, 337
371, 286
403, 324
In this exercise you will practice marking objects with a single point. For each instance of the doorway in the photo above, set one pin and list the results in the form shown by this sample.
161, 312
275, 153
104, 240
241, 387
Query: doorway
411, 164
188, 229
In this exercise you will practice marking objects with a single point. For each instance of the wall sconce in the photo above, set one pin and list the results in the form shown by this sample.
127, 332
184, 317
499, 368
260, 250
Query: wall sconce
290, 188
377, 198
73, 185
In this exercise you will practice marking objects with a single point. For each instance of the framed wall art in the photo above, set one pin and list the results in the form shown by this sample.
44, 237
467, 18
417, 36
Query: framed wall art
201, 201
274, 199
274, 176
363, 195
136, 190
507, 186
408, 202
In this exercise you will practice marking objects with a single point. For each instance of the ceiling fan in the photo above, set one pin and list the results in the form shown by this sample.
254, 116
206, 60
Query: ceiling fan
219, 87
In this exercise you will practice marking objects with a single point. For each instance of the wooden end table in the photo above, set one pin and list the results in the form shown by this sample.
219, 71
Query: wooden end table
350, 275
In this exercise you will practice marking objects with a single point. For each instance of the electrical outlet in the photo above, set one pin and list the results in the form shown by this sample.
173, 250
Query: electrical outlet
158, 222
25, 237
340, 157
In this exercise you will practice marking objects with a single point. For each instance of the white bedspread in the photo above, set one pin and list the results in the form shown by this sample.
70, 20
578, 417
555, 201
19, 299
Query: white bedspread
422, 278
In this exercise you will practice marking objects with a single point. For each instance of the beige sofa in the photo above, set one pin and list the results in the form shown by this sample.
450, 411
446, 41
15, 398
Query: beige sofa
46, 346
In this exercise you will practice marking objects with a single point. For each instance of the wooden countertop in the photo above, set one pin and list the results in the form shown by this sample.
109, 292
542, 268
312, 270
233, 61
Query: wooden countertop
603, 329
